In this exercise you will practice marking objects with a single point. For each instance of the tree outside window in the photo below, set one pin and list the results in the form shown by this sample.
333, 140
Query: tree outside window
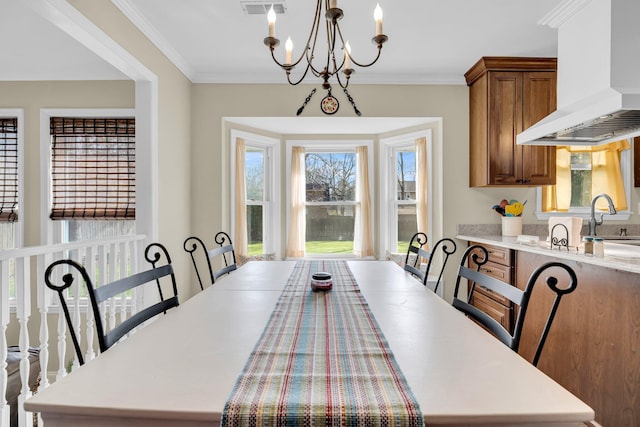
255, 187
330, 196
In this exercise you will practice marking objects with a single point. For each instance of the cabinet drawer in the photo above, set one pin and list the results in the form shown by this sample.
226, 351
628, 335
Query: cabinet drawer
498, 311
492, 295
499, 271
497, 254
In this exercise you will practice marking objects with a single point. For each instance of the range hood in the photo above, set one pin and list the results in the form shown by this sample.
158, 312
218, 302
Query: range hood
598, 97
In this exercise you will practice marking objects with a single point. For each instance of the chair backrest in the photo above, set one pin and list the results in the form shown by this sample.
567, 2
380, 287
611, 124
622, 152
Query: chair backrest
98, 295
224, 250
416, 252
473, 258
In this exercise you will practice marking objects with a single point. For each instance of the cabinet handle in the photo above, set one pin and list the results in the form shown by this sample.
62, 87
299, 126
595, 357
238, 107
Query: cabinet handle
486, 270
527, 181
519, 181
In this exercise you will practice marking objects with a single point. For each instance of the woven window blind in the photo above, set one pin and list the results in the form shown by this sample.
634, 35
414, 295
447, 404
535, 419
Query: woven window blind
92, 168
8, 169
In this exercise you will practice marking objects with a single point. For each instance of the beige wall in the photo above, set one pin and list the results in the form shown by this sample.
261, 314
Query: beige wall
174, 133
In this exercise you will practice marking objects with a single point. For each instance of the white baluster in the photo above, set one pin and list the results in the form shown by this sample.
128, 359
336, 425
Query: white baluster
136, 298
76, 289
23, 312
62, 325
90, 324
112, 277
123, 273
101, 280
4, 321
44, 300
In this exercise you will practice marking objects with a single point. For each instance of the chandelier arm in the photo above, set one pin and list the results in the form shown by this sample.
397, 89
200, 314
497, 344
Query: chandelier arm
292, 83
310, 47
344, 54
331, 47
370, 63
379, 40
342, 85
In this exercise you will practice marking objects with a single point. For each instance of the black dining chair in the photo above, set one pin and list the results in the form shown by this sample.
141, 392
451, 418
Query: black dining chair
224, 254
417, 252
470, 269
107, 337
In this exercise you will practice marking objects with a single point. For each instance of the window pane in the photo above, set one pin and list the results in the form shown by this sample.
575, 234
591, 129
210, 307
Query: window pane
330, 229
406, 174
92, 230
330, 177
407, 226
580, 179
254, 230
254, 174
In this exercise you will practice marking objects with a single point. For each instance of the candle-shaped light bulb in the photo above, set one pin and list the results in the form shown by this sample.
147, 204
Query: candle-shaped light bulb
271, 19
288, 45
377, 15
333, 4
347, 54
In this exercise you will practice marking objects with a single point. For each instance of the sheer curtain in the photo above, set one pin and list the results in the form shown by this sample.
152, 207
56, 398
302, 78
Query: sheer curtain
297, 222
606, 177
240, 229
363, 237
422, 181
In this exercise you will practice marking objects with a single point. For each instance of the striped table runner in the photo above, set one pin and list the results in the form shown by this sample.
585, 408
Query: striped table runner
321, 361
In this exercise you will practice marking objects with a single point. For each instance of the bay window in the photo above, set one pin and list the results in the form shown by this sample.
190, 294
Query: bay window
255, 177
404, 182
329, 199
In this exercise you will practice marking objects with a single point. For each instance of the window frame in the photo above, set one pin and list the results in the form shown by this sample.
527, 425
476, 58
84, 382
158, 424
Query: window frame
330, 146
18, 229
57, 231
387, 185
585, 212
271, 214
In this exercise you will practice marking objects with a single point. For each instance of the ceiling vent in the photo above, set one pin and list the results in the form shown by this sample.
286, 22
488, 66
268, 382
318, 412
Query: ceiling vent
261, 7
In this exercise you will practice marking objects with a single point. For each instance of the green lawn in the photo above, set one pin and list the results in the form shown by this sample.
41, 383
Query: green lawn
325, 247
329, 247
254, 248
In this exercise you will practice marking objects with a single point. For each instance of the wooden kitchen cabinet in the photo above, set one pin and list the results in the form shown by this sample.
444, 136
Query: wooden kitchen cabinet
506, 96
501, 266
592, 347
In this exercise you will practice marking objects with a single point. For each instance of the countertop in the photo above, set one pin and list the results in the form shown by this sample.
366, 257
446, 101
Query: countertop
617, 256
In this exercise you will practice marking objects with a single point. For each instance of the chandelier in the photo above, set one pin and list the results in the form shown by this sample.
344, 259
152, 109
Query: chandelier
335, 63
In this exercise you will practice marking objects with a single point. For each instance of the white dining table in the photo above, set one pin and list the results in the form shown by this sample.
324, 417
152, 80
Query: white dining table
180, 369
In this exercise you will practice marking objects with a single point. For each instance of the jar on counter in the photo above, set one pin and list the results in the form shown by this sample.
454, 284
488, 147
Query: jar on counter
598, 246
588, 245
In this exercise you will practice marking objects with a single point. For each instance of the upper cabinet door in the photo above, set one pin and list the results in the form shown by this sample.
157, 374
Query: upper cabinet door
506, 96
538, 163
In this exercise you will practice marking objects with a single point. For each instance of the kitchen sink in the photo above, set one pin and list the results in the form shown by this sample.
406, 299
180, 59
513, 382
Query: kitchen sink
617, 248
626, 240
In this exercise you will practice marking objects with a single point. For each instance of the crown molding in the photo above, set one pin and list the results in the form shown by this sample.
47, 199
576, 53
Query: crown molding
373, 79
561, 13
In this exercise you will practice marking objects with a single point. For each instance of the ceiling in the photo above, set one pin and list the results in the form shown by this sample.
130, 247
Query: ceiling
430, 41
215, 41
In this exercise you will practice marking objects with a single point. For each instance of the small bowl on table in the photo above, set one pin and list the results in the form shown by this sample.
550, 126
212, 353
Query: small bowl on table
321, 281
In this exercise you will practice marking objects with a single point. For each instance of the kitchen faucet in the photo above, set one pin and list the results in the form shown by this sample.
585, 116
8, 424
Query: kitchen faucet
593, 222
